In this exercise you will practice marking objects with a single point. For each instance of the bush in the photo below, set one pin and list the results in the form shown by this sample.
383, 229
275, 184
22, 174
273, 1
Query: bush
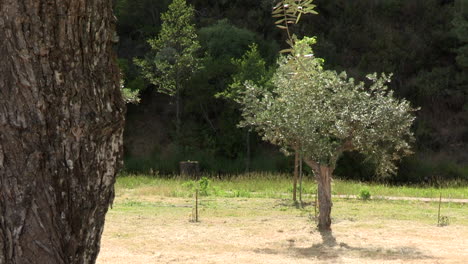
202, 185
364, 194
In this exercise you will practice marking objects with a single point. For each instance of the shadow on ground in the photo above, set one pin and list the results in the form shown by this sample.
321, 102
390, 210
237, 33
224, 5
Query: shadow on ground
330, 249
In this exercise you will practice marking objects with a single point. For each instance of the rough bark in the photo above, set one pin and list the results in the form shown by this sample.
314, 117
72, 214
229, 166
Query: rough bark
324, 198
61, 123
323, 175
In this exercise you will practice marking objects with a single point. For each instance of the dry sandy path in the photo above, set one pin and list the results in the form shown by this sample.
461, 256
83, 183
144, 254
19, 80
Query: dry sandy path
274, 238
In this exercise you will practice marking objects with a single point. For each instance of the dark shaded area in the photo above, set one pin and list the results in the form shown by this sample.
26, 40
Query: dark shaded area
423, 43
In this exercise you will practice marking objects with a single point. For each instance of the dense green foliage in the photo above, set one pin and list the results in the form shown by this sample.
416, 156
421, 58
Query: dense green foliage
415, 41
172, 60
251, 67
423, 42
323, 114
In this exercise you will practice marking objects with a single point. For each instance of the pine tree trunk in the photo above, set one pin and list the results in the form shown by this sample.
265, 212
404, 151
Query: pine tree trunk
61, 123
324, 197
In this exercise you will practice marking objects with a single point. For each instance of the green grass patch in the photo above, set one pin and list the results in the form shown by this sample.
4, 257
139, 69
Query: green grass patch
354, 188
424, 212
264, 185
343, 209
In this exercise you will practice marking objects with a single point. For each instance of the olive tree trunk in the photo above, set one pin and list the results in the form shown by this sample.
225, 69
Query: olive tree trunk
323, 176
324, 197
61, 123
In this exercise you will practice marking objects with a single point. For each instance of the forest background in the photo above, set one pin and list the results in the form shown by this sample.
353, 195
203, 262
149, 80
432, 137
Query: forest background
424, 43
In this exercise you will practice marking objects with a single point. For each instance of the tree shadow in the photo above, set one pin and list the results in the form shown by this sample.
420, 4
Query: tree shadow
327, 238
330, 249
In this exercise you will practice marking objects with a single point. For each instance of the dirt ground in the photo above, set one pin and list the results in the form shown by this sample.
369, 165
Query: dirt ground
159, 233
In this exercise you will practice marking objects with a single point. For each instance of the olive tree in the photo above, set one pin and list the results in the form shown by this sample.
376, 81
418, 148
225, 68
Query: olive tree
322, 114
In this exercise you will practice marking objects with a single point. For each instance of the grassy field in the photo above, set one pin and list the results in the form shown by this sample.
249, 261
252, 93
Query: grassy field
248, 220
274, 186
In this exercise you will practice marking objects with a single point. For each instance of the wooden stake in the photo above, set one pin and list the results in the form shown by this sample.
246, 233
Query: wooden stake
296, 172
315, 206
196, 205
300, 179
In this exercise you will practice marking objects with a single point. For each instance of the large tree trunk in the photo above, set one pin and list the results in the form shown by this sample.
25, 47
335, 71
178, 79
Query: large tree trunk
323, 175
61, 122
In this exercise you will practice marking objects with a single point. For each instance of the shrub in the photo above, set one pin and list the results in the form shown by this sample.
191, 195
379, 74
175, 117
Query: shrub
202, 185
364, 194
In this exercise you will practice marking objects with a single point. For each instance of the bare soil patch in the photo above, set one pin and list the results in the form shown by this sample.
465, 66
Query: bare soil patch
254, 231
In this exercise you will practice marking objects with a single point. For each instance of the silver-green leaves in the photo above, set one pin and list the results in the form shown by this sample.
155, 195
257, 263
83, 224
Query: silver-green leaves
289, 12
324, 113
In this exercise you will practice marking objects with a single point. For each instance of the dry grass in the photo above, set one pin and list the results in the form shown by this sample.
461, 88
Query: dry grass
155, 229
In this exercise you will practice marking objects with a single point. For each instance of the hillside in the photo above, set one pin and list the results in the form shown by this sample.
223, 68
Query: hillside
421, 42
